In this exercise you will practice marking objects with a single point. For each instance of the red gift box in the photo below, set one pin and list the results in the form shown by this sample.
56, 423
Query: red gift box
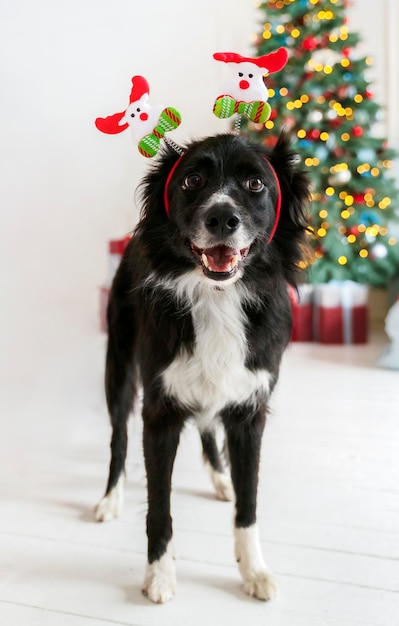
340, 313
302, 310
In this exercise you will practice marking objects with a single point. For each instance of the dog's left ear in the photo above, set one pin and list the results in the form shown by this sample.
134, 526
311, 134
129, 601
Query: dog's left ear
295, 183
295, 196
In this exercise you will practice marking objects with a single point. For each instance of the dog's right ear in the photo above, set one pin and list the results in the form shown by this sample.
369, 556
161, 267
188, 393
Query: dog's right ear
156, 185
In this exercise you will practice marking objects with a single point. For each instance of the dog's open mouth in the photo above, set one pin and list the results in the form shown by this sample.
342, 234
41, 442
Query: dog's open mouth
220, 262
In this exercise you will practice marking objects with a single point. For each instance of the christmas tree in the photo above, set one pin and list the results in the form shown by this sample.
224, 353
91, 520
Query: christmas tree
323, 98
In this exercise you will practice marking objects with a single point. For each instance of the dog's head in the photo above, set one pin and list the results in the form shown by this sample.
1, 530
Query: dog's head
221, 205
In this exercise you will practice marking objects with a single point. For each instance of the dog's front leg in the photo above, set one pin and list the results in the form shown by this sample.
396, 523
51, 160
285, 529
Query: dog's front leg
160, 440
244, 438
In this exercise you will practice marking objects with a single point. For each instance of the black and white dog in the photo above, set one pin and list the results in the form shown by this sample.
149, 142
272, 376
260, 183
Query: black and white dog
200, 315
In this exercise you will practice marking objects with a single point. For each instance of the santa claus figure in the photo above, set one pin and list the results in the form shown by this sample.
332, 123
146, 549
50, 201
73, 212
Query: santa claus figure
246, 92
147, 123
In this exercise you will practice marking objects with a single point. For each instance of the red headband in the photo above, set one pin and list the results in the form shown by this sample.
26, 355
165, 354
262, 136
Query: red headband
278, 203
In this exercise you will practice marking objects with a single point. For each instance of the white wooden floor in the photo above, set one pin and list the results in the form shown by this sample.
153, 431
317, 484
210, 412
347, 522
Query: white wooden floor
328, 512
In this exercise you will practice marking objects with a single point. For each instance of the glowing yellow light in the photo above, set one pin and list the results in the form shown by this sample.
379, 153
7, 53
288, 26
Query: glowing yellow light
302, 265
345, 214
304, 98
342, 260
369, 61
321, 100
343, 195
368, 196
348, 111
328, 69
324, 136
372, 231
333, 38
271, 92
298, 104
323, 214
283, 91
383, 204
314, 1
375, 171
280, 29
383, 231
322, 232
295, 33
349, 200
363, 253
266, 34
301, 133
358, 98
330, 191
319, 67
269, 124
345, 62
351, 238
392, 241
290, 106
361, 228
345, 136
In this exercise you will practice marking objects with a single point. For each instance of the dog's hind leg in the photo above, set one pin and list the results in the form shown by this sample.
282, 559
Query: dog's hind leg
120, 387
244, 434
213, 463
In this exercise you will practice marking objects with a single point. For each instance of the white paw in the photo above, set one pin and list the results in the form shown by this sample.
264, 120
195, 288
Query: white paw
261, 585
222, 484
110, 507
258, 581
160, 579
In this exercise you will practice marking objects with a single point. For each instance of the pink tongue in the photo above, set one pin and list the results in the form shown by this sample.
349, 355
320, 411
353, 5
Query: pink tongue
219, 258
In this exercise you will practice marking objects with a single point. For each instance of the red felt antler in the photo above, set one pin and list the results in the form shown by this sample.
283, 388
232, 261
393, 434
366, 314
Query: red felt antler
110, 124
272, 62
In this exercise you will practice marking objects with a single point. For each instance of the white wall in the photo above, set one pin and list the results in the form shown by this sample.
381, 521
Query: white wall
65, 187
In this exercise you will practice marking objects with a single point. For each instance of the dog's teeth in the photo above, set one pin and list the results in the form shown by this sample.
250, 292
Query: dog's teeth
234, 262
205, 260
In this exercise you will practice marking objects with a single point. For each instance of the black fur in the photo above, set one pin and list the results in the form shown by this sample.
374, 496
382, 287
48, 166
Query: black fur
148, 327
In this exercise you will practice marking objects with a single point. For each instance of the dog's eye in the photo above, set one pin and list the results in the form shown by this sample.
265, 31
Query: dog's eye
193, 181
254, 184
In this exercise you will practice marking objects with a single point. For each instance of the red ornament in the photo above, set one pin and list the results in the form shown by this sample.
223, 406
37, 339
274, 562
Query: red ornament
358, 198
314, 134
336, 123
346, 51
368, 94
310, 43
273, 114
357, 131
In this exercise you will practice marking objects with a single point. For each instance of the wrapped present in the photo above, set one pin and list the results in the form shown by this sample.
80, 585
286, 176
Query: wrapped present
302, 309
340, 313
116, 248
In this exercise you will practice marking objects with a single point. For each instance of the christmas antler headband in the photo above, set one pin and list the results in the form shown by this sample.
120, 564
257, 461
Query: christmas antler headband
245, 93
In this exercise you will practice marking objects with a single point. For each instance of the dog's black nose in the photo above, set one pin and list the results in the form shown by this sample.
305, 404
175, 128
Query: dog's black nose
222, 220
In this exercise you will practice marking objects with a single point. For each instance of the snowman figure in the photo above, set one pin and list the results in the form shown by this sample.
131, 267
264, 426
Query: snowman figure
147, 123
390, 356
246, 93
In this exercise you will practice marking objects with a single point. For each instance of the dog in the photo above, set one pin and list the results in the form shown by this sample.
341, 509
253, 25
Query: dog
199, 315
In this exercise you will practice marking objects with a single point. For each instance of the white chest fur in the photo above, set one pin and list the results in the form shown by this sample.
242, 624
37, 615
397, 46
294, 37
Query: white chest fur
215, 374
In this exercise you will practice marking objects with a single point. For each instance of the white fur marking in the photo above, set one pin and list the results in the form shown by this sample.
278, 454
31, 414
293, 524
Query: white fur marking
258, 581
110, 507
160, 578
222, 484
215, 374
